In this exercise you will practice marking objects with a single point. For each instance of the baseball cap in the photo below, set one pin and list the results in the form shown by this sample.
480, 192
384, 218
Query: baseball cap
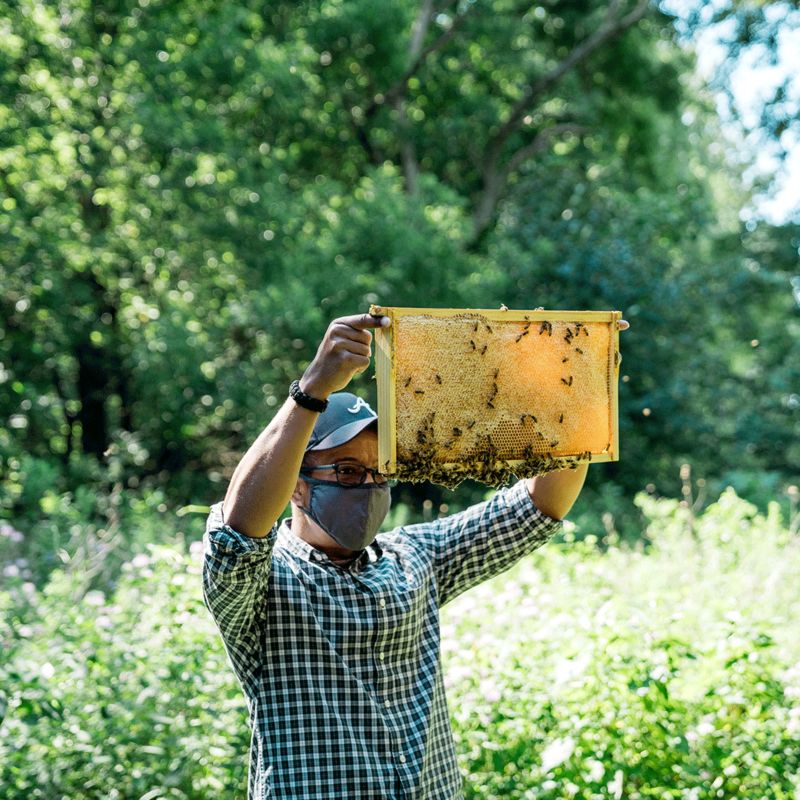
345, 417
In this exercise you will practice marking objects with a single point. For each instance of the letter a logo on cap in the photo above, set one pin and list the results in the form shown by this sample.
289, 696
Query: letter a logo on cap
359, 404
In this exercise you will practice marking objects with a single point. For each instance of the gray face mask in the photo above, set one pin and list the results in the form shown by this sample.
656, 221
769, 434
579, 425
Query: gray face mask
352, 515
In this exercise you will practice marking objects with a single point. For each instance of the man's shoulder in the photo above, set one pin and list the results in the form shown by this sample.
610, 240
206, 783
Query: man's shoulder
407, 540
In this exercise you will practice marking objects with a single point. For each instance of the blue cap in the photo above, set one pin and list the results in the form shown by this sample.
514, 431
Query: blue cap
345, 417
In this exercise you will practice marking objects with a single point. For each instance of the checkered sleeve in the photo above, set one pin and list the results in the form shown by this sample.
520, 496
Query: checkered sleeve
235, 574
484, 540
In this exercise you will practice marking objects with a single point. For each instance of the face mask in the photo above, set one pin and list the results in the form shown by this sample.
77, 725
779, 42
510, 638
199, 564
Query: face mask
352, 515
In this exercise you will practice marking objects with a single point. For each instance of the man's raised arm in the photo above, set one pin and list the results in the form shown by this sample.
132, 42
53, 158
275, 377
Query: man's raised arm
263, 481
554, 493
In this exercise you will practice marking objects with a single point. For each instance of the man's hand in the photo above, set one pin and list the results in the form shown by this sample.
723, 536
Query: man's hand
344, 351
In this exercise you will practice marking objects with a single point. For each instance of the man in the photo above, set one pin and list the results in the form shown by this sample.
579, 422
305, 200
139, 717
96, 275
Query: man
332, 632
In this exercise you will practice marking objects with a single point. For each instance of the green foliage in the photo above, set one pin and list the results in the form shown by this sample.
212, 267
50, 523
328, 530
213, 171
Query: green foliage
120, 695
191, 191
666, 671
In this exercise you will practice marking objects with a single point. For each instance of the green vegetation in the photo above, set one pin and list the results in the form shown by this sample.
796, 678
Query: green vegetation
192, 190
665, 670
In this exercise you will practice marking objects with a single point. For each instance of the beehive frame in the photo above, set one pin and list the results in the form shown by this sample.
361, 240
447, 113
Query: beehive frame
470, 405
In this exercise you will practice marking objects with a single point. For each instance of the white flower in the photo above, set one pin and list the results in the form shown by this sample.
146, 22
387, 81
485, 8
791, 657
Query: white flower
11, 533
94, 598
557, 752
596, 770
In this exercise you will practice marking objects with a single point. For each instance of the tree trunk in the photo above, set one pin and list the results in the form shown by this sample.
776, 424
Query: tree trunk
93, 387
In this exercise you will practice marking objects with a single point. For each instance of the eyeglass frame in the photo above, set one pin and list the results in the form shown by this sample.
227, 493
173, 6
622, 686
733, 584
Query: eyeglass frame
335, 467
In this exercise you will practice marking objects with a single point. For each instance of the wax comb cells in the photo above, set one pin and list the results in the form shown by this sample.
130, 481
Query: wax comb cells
489, 394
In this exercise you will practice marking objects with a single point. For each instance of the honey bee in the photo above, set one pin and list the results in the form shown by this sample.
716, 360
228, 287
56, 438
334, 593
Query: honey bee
484, 349
438, 378
408, 382
578, 350
561, 418
419, 391
567, 382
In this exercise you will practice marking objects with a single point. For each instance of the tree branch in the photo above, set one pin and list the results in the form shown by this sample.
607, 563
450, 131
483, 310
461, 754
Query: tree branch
420, 29
394, 95
612, 27
495, 182
541, 141
496, 176
399, 87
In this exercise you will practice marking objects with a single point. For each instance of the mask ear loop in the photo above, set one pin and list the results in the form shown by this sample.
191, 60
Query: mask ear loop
311, 482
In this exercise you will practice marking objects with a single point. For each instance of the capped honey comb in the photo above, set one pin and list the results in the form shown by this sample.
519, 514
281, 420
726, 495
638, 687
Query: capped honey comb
472, 393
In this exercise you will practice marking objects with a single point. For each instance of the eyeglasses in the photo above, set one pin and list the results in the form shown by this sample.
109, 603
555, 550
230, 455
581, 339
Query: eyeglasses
349, 474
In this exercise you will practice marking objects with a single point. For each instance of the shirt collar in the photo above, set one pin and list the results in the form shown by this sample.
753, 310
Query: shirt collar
304, 550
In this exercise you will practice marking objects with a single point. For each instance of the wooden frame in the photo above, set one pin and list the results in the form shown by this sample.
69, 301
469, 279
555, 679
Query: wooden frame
386, 344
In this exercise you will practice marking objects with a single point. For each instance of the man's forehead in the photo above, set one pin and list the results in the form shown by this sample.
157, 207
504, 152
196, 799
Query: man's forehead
363, 443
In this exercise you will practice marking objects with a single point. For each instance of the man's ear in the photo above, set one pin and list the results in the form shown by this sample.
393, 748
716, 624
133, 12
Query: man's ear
300, 493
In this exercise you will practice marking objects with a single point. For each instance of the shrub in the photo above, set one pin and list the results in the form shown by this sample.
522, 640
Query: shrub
671, 671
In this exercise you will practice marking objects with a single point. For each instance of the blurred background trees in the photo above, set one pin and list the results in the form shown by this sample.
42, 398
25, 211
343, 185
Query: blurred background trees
192, 190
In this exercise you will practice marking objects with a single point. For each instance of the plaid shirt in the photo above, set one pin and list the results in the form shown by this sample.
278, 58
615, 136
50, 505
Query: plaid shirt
340, 666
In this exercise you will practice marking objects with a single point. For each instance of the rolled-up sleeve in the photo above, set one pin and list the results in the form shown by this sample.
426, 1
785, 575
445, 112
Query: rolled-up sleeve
484, 540
235, 579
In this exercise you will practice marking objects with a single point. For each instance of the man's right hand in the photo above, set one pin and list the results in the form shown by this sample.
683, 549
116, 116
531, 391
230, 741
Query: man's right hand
344, 351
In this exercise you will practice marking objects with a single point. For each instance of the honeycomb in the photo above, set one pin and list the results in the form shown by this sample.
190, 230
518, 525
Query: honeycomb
490, 394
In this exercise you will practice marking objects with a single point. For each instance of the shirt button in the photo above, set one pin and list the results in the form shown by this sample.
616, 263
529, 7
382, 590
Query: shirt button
402, 759
387, 703
381, 655
382, 603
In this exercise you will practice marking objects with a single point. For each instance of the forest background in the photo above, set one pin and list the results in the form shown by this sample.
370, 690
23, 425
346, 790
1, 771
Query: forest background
191, 191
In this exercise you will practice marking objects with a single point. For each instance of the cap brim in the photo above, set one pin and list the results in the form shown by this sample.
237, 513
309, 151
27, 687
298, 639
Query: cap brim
343, 434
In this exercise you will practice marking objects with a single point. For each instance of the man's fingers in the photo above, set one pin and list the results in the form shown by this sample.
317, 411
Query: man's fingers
354, 347
623, 324
363, 321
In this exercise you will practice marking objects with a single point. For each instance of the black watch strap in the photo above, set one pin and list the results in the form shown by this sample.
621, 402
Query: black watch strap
306, 400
